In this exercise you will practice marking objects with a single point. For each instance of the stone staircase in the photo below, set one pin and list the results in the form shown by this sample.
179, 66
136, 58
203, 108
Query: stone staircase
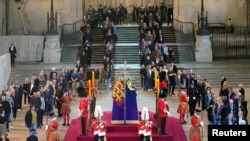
97, 47
234, 75
185, 45
71, 43
27, 69
169, 38
126, 47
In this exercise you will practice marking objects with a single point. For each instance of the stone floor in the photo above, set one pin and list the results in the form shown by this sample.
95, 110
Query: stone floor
20, 132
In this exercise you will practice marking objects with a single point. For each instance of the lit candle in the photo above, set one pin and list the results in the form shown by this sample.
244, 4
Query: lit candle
93, 79
89, 88
155, 79
158, 86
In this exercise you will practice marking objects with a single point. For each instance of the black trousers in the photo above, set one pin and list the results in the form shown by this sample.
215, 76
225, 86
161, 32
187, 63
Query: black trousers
7, 121
192, 104
20, 101
92, 106
12, 60
163, 124
96, 137
84, 124
141, 137
26, 95
147, 138
59, 107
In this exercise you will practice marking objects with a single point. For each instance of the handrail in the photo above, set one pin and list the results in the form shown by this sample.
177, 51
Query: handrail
74, 30
193, 30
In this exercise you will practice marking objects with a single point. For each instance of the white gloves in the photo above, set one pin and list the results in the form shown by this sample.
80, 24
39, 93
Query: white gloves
202, 123
168, 113
46, 127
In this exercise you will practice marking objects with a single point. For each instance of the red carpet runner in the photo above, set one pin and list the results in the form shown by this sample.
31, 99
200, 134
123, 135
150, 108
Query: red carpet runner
128, 132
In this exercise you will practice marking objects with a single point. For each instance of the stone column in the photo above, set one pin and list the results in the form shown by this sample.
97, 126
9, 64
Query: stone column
52, 51
203, 52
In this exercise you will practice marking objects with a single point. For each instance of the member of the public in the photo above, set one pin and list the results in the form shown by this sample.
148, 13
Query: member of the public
83, 108
91, 90
52, 129
65, 110
194, 133
183, 106
99, 125
12, 51
32, 136
163, 111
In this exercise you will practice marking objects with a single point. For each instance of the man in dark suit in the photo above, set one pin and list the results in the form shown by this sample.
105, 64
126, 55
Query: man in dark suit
229, 120
192, 94
12, 51
223, 79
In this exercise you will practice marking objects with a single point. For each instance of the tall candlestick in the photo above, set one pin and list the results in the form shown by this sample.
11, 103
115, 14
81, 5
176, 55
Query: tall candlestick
89, 83
93, 79
155, 73
158, 86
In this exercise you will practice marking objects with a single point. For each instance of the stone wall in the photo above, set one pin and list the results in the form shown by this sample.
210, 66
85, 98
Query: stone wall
5, 70
29, 48
35, 15
218, 11
2, 17
69, 11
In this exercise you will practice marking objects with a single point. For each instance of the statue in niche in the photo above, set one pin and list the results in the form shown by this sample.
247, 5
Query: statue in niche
229, 25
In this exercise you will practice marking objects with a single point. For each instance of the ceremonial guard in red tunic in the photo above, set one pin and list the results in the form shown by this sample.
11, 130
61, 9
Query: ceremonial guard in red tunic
194, 133
52, 129
141, 129
99, 125
163, 111
65, 110
183, 106
83, 108
145, 126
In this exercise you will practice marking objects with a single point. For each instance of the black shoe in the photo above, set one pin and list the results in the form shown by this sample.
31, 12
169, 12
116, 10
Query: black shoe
64, 124
83, 135
185, 121
67, 124
164, 133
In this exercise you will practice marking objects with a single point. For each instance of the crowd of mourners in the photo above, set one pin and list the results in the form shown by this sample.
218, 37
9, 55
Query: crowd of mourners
227, 107
43, 93
40, 92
